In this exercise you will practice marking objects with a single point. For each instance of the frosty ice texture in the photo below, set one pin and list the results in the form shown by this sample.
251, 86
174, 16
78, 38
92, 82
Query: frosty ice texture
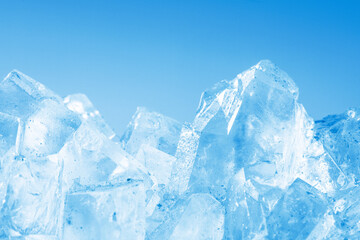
251, 165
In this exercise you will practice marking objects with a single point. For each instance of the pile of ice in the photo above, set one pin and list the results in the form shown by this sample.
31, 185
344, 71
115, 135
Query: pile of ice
252, 165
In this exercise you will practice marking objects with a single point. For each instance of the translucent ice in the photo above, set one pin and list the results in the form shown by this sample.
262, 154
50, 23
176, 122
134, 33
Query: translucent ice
80, 104
340, 135
245, 217
198, 217
32, 173
296, 213
115, 212
9, 132
47, 129
153, 129
252, 165
158, 163
50, 150
19, 94
33, 198
254, 122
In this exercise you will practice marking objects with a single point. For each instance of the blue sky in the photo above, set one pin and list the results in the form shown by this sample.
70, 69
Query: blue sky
163, 54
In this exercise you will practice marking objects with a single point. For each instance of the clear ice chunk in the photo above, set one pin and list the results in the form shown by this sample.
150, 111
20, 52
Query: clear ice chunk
91, 160
9, 132
255, 122
33, 199
340, 136
246, 122
245, 218
297, 212
107, 213
19, 94
203, 218
198, 217
153, 129
80, 104
342, 220
47, 129
33, 173
158, 163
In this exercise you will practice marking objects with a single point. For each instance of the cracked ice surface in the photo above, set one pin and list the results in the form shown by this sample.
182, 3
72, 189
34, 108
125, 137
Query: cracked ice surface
251, 165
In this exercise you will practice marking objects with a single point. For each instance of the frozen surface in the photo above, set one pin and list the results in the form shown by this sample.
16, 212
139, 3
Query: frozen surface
251, 165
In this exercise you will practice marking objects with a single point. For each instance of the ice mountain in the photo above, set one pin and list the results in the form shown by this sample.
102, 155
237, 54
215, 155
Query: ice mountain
251, 165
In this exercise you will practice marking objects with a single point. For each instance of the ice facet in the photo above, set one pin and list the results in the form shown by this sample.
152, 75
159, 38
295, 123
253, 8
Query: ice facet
297, 212
340, 136
47, 129
33, 199
342, 222
153, 129
19, 94
245, 218
203, 218
9, 131
198, 217
91, 160
185, 157
109, 213
80, 104
158, 163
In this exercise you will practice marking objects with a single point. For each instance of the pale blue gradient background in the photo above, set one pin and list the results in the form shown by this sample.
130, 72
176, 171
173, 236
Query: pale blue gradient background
163, 54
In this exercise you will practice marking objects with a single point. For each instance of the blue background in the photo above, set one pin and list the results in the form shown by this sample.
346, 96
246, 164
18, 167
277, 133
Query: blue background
163, 54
